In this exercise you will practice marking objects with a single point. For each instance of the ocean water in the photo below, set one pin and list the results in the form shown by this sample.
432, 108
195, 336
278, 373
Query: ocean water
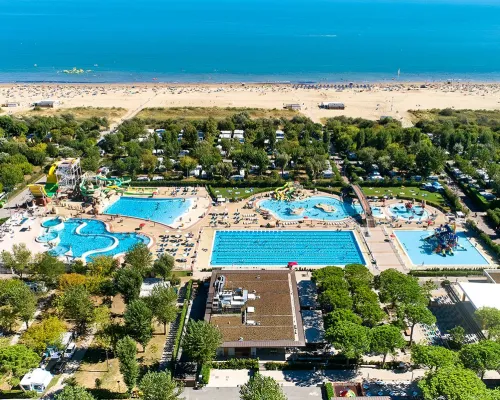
249, 40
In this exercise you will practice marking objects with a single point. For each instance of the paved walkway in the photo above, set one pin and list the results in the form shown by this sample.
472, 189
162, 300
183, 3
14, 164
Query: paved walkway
233, 378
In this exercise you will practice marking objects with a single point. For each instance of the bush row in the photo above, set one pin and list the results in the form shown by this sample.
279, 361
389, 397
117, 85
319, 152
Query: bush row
490, 244
453, 200
494, 216
236, 363
178, 335
105, 394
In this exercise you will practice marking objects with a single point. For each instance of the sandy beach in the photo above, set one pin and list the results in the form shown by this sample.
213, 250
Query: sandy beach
368, 101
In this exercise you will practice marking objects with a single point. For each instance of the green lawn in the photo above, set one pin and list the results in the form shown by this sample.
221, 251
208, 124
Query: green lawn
412, 192
238, 193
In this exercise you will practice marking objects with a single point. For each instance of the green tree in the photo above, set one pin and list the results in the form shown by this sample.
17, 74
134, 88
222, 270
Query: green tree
201, 341
282, 160
47, 333
453, 383
481, 356
10, 176
163, 266
433, 356
457, 337
417, 314
140, 258
332, 299
339, 315
386, 339
358, 275
160, 386
18, 298
17, 360
48, 269
187, 164
163, 304
138, 319
128, 282
126, 351
77, 306
74, 393
350, 339
489, 319
19, 260
261, 388
398, 288
367, 306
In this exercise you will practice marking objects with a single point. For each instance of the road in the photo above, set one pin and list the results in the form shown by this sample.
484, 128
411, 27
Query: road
19, 199
292, 393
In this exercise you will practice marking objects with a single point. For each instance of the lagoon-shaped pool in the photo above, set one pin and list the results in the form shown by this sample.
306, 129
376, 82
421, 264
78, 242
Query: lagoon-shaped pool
85, 238
415, 213
316, 207
163, 211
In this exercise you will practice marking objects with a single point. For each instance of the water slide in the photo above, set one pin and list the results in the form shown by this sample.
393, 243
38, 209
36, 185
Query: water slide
284, 191
50, 187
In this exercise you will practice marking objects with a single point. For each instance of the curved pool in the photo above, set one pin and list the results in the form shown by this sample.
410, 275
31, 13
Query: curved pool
416, 213
86, 238
316, 207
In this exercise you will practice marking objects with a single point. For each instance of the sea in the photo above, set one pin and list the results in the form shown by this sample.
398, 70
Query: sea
301, 41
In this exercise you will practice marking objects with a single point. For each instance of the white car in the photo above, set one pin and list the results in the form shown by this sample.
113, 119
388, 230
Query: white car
70, 351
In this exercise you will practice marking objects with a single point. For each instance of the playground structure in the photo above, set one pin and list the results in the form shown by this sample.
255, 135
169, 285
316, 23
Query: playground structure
409, 207
285, 192
63, 177
444, 240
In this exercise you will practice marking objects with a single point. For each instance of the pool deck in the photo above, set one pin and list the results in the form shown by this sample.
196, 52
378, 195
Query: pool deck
376, 243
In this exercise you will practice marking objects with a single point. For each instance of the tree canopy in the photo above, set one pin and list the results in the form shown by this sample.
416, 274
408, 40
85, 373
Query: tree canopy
201, 341
261, 388
160, 386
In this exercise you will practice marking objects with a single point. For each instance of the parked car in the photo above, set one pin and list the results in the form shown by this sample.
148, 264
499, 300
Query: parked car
70, 351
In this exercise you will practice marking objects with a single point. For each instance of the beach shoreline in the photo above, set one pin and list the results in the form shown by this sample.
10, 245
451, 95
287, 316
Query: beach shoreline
370, 101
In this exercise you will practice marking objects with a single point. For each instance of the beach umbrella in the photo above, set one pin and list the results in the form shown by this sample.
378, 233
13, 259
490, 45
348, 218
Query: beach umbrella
142, 225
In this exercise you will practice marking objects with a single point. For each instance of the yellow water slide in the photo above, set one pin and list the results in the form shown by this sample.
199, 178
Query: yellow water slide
37, 190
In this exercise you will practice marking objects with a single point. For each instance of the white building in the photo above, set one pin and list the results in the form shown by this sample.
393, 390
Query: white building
280, 135
37, 380
149, 284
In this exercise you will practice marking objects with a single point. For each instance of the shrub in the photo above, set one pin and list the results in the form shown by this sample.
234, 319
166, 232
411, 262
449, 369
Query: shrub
205, 373
178, 335
329, 392
485, 239
447, 272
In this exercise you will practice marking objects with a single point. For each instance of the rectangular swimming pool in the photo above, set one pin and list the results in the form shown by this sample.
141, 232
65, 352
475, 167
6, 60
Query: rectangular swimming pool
278, 248
421, 253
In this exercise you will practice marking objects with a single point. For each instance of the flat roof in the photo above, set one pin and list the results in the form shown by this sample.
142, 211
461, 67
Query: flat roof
276, 309
482, 294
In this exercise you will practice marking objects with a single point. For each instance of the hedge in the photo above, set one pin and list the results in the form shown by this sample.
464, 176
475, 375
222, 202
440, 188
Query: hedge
494, 216
445, 272
329, 392
485, 239
236, 363
107, 394
189, 290
205, 373
178, 335
17, 394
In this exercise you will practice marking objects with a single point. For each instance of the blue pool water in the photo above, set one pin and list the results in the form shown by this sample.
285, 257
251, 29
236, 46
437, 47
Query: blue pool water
163, 211
249, 40
283, 209
92, 237
51, 222
278, 248
416, 213
47, 237
420, 252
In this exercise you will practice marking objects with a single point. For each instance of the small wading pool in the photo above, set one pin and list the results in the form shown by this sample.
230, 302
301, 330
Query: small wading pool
421, 253
47, 237
278, 248
49, 223
316, 207
416, 213
163, 211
